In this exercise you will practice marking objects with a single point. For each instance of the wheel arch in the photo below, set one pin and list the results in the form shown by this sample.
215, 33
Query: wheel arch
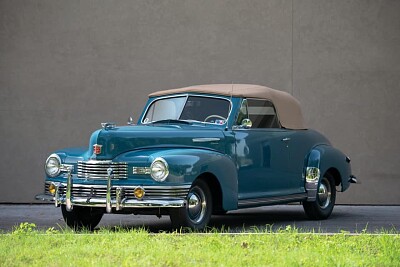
216, 190
335, 174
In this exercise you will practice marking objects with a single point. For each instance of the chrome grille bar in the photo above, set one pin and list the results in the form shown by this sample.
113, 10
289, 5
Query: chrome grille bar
96, 169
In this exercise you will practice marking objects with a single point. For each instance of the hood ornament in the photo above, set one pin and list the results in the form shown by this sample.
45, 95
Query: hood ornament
108, 125
130, 121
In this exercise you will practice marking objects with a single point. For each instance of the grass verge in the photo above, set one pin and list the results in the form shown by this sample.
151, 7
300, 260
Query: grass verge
27, 246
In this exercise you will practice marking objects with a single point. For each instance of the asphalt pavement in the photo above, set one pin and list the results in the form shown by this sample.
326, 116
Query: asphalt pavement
352, 219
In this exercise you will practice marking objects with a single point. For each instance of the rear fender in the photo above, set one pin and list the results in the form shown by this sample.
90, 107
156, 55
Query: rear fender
321, 159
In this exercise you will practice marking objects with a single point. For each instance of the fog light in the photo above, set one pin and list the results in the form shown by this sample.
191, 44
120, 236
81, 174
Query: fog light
139, 192
52, 189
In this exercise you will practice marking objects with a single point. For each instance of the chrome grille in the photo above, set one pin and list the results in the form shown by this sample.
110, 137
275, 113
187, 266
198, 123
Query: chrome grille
98, 169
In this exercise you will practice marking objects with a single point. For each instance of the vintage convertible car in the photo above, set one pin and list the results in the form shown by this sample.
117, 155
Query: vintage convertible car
198, 151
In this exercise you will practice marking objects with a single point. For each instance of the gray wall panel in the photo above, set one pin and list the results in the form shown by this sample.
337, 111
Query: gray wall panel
347, 75
66, 66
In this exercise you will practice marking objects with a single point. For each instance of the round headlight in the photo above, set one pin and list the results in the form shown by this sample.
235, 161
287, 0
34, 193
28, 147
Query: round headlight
52, 166
159, 169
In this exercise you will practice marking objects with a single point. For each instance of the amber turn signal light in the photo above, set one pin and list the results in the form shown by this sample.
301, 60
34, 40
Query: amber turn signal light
139, 192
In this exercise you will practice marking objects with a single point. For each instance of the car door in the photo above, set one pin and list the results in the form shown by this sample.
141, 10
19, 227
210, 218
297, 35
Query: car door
262, 153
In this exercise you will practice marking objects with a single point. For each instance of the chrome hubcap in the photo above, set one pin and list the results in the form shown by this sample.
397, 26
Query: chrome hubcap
196, 205
324, 193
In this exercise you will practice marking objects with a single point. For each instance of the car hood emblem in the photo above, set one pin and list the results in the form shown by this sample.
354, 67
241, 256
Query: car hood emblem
97, 149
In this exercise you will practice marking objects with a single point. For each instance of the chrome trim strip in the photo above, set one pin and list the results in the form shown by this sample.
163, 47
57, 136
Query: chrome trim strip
141, 170
205, 139
98, 177
271, 200
352, 179
92, 161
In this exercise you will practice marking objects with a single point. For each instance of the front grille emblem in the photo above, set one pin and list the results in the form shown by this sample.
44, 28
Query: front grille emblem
97, 149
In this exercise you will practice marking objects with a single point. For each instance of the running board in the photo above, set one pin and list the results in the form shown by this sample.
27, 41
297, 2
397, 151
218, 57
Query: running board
255, 202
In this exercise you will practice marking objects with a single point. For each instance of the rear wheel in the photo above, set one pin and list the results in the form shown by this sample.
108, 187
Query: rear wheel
197, 213
322, 207
81, 218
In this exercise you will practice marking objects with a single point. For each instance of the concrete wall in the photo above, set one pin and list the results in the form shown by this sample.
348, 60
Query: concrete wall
67, 66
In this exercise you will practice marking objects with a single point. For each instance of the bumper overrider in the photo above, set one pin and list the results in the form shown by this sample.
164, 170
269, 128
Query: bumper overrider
109, 196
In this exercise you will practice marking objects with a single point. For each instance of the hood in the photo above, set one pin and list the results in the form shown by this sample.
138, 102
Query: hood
119, 140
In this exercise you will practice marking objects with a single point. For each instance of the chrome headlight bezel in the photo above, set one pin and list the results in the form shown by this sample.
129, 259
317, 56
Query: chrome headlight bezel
159, 169
53, 161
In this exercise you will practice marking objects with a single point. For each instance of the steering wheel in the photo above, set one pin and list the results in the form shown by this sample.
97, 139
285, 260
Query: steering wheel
214, 116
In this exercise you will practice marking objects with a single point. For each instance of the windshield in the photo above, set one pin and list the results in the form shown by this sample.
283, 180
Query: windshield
192, 108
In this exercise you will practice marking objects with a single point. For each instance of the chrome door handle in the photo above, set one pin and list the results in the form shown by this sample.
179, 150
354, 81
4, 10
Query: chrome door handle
287, 139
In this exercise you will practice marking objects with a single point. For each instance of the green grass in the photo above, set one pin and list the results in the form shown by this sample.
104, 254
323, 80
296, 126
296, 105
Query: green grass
28, 246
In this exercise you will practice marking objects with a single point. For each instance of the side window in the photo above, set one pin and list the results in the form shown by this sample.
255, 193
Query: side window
262, 114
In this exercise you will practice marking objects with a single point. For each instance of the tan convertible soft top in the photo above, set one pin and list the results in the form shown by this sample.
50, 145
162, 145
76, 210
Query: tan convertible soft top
287, 107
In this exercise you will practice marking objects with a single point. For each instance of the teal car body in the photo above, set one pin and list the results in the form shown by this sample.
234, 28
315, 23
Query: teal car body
198, 151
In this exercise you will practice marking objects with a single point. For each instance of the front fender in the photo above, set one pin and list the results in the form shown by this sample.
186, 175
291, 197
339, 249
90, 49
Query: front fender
187, 164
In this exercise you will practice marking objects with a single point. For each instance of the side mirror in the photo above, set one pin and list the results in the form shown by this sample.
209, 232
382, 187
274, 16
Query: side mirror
247, 123
130, 121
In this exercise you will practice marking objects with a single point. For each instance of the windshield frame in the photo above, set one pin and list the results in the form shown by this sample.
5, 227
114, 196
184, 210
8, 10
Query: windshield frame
229, 99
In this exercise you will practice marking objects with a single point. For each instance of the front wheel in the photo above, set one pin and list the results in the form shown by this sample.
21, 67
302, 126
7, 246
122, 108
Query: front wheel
322, 207
198, 210
81, 217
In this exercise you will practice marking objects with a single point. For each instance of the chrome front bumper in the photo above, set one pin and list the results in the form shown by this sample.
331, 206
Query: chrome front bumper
118, 197
114, 203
